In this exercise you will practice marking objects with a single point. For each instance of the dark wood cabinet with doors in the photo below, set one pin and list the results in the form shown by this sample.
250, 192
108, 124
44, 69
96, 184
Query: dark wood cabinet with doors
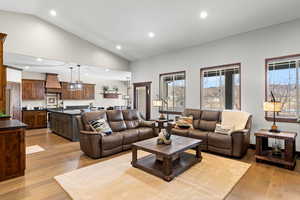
35, 118
33, 89
87, 92
12, 149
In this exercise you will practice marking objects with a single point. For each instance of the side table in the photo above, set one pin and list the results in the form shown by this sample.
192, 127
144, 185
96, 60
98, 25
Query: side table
288, 155
161, 123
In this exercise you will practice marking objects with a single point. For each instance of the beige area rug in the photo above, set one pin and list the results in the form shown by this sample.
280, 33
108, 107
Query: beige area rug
34, 149
211, 179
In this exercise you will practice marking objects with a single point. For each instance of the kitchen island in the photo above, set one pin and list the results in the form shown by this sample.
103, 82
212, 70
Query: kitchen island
63, 123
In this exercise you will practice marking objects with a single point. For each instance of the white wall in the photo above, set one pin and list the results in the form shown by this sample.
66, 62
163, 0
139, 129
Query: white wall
29, 35
13, 75
250, 49
98, 101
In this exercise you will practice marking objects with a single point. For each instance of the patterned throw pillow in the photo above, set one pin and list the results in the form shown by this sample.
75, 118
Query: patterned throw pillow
186, 122
224, 129
101, 126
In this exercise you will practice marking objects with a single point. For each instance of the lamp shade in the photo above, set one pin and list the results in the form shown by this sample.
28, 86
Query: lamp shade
157, 103
272, 106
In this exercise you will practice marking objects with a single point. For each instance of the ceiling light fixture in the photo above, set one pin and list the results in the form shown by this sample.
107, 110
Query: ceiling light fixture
203, 14
107, 70
53, 13
151, 35
119, 47
39, 59
27, 67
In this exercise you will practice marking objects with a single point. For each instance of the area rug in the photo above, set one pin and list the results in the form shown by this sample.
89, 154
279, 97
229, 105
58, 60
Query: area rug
211, 179
34, 149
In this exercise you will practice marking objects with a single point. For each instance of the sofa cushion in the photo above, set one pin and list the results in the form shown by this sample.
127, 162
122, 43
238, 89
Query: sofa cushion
196, 116
112, 141
198, 134
89, 116
180, 132
209, 119
116, 120
220, 140
130, 136
145, 133
131, 118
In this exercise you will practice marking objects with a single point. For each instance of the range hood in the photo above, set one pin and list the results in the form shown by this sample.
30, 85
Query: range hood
52, 83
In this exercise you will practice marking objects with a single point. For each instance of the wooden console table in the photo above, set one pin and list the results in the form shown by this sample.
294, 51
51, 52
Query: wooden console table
12, 149
288, 155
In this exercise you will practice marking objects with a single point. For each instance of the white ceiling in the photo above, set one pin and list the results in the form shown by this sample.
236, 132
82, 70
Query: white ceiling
89, 74
176, 23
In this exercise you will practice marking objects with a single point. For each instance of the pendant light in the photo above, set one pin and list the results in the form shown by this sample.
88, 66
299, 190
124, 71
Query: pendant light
71, 84
78, 84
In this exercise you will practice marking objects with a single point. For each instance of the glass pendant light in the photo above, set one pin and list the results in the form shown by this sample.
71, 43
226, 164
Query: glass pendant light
71, 84
78, 84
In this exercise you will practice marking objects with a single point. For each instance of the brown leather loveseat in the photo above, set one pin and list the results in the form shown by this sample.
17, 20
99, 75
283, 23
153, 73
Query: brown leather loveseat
127, 126
204, 123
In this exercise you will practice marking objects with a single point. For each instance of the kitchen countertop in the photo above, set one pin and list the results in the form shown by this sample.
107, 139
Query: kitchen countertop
11, 124
66, 112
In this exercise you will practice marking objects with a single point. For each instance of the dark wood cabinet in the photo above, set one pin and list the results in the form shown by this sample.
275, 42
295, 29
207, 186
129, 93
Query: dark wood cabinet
87, 92
12, 149
33, 89
35, 118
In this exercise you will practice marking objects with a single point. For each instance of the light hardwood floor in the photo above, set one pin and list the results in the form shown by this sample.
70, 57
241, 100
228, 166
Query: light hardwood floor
261, 182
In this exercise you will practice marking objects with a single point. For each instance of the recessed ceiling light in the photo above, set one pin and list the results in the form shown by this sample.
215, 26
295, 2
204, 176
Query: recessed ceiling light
203, 14
107, 70
27, 67
53, 13
86, 74
119, 47
151, 35
39, 59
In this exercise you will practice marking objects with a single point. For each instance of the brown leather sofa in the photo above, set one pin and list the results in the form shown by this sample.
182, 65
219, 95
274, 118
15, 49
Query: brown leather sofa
127, 126
204, 123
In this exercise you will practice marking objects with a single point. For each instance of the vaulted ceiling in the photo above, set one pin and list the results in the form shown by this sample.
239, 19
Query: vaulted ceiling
176, 23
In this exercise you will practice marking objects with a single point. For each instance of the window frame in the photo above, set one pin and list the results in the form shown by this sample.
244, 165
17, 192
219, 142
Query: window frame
217, 67
159, 92
267, 60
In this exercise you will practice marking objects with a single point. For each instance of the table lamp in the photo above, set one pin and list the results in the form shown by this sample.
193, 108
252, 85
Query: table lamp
273, 106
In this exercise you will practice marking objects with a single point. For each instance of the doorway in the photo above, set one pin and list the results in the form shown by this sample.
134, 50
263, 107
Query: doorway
142, 98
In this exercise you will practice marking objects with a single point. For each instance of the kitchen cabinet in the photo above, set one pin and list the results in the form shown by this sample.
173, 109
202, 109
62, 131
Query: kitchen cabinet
33, 89
87, 92
35, 118
2, 75
12, 149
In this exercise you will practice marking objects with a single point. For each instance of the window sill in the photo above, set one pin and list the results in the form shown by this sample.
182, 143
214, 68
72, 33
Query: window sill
278, 119
170, 112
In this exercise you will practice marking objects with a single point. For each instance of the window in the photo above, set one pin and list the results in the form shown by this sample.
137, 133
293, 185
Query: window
282, 78
172, 91
220, 87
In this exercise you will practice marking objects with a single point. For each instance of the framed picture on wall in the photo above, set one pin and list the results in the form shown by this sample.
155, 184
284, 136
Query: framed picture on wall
51, 100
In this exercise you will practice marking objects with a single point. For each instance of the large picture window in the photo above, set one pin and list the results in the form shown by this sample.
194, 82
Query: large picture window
220, 87
172, 92
282, 78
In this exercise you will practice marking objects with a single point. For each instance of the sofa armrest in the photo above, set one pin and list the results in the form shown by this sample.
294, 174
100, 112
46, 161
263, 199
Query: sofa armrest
90, 143
244, 131
144, 123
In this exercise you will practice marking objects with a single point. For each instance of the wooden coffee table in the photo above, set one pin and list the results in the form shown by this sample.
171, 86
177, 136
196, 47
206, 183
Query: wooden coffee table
166, 161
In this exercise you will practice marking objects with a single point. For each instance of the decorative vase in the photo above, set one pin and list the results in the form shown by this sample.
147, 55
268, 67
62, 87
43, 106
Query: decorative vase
164, 137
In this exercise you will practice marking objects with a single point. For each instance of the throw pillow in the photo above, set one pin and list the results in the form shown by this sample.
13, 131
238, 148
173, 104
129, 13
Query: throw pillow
101, 125
186, 122
224, 129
